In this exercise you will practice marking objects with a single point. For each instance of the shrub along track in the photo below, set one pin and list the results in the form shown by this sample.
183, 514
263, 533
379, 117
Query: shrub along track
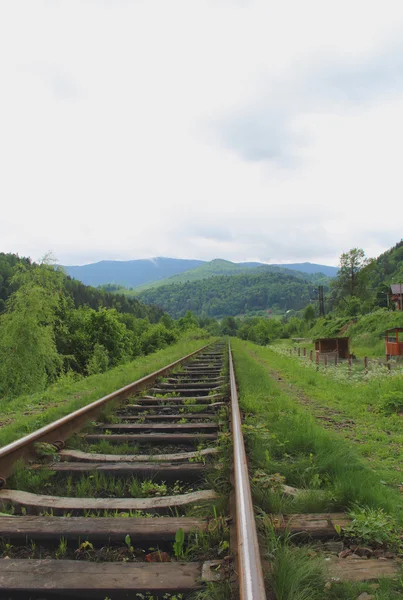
137, 502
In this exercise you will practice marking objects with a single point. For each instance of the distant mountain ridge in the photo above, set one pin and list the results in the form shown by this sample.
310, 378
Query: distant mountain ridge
130, 273
145, 272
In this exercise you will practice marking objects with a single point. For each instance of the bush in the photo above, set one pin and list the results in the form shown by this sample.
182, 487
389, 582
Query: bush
99, 361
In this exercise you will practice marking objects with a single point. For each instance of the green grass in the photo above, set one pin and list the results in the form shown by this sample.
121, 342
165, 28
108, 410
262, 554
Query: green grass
284, 438
286, 444
295, 574
27, 413
364, 411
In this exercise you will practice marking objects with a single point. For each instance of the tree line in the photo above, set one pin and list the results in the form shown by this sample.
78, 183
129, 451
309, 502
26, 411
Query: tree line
51, 325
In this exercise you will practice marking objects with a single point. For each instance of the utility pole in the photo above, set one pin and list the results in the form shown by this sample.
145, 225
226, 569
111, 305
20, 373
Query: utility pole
321, 301
401, 305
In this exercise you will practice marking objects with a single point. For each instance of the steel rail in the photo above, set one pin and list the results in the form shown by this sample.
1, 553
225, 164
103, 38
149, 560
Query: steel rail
57, 431
250, 572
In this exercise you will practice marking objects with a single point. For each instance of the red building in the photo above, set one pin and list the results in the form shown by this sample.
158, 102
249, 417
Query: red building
394, 347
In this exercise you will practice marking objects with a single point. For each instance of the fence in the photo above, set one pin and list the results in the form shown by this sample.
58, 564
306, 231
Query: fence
350, 366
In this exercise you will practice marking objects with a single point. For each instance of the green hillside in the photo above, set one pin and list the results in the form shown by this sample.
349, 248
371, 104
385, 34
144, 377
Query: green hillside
227, 296
219, 267
386, 269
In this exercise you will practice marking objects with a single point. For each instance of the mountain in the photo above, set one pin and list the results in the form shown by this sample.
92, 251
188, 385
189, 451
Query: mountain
147, 272
80, 294
218, 267
130, 273
221, 296
311, 268
215, 267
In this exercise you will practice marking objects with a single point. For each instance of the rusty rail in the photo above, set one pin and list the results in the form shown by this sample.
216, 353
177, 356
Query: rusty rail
58, 431
251, 583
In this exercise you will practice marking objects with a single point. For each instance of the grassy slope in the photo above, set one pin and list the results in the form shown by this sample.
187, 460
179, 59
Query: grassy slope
283, 439
354, 412
27, 413
210, 269
366, 332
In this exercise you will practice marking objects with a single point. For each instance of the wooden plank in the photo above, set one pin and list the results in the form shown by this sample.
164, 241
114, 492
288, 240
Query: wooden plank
317, 525
188, 392
138, 409
157, 426
178, 456
152, 438
185, 472
75, 577
358, 569
185, 378
58, 504
108, 529
166, 417
202, 371
205, 385
153, 400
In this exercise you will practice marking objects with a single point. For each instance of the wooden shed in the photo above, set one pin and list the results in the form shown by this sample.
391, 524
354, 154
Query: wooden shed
393, 346
337, 346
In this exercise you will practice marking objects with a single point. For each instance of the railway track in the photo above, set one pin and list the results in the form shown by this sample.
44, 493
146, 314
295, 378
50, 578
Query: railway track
129, 496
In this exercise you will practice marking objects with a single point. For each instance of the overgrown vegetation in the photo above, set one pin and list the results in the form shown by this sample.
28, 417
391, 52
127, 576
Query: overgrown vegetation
287, 447
51, 325
31, 411
365, 411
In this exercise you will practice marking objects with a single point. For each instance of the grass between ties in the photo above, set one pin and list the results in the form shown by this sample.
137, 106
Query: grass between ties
286, 446
198, 545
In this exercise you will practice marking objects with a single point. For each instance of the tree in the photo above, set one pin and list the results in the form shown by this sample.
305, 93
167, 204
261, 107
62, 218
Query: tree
229, 326
350, 281
350, 265
28, 355
309, 313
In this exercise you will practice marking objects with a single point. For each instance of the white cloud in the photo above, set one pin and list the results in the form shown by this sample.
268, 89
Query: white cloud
111, 143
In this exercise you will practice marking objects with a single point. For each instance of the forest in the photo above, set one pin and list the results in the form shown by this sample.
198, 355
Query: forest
51, 325
221, 296
356, 304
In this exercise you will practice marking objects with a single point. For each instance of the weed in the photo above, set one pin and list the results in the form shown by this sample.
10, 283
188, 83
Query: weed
31, 480
294, 573
43, 449
199, 457
85, 549
179, 543
374, 526
151, 488
392, 403
215, 591
128, 543
62, 548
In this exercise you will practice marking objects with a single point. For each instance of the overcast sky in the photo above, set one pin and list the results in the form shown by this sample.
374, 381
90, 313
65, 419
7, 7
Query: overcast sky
239, 129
